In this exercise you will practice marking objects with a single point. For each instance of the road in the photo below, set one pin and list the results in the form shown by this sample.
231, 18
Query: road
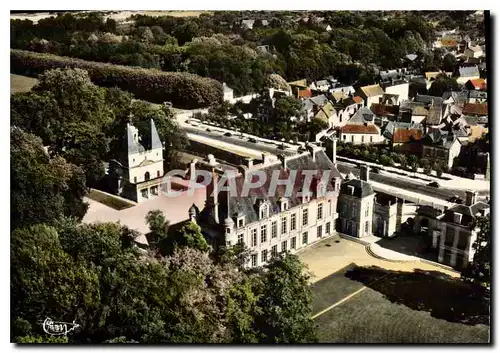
239, 141
439, 193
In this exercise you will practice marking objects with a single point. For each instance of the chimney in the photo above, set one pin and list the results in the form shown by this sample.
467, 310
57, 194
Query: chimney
470, 198
265, 158
192, 168
334, 154
364, 173
211, 159
283, 160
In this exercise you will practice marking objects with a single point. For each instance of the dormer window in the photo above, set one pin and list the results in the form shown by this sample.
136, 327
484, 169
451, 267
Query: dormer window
350, 189
263, 211
283, 204
306, 198
457, 217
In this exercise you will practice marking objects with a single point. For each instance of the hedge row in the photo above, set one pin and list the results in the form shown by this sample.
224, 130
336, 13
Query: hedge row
184, 90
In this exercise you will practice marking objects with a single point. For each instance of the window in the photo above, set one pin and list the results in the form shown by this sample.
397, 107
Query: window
304, 238
327, 228
293, 243
320, 211
283, 225
345, 137
304, 217
371, 138
367, 211
263, 211
228, 230
274, 229
240, 222
362, 138
144, 193
352, 138
320, 231
154, 190
274, 250
283, 246
354, 212
263, 234
254, 260
158, 173
366, 227
146, 176
135, 180
240, 238
293, 222
330, 204
254, 237
263, 256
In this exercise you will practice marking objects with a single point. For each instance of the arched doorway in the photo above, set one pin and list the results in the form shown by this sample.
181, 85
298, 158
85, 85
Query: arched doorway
146, 176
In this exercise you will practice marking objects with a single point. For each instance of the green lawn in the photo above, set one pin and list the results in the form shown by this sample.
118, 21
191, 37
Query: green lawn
21, 83
400, 307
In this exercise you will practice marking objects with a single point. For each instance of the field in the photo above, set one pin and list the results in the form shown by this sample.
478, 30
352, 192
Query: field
372, 305
21, 83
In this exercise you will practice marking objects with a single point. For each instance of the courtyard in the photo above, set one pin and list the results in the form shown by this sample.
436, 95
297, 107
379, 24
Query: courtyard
361, 299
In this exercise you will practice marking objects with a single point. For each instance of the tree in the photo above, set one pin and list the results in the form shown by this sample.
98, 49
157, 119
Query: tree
441, 84
449, 63
43, 189
480, 269
277, 82
413, 162
286, 303
286, 107
190, 236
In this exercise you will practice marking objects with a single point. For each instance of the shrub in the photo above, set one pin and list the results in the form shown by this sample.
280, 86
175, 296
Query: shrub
182, 89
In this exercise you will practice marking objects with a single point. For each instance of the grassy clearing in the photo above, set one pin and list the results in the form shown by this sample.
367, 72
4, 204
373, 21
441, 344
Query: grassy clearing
20, 83
401, 307
108, 200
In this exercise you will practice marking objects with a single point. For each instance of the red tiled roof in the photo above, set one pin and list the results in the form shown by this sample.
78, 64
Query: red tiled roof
475, 109
305, 93
448, 42
479, 83
384, 110
359, 129
405, 135
358, 99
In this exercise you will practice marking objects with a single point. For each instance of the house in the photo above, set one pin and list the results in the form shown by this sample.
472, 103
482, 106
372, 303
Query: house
297, 86
360, 133
322, 85
384, 112
273, 222
441, 145
247, 24
478, 126
228, 93
401, 138
370, 94
475, 109
477, 97
356, 205
456, 98
328, 114
138, 173
473, 51
468, 73
477, 84
459, 231
385, 215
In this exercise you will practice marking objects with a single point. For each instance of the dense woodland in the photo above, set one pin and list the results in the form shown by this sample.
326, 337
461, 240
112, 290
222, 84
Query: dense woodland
217, 46
180, 290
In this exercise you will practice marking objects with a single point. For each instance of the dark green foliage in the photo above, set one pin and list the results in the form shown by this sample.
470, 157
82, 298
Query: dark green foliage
480, 268
182, 89
43, 189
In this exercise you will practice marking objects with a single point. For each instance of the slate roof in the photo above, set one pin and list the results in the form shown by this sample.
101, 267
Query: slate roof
478, 94
226, 88
325, 112
363, 115
132, 145
361, 188
321, 83
469, 71
469, 213
359, 129
475, 120
475, 109
338, 95
299, 83
390, 98
439, 138
247, 204
423, 98
411, 57
434, 115
319, 100
457, 97
372, 91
